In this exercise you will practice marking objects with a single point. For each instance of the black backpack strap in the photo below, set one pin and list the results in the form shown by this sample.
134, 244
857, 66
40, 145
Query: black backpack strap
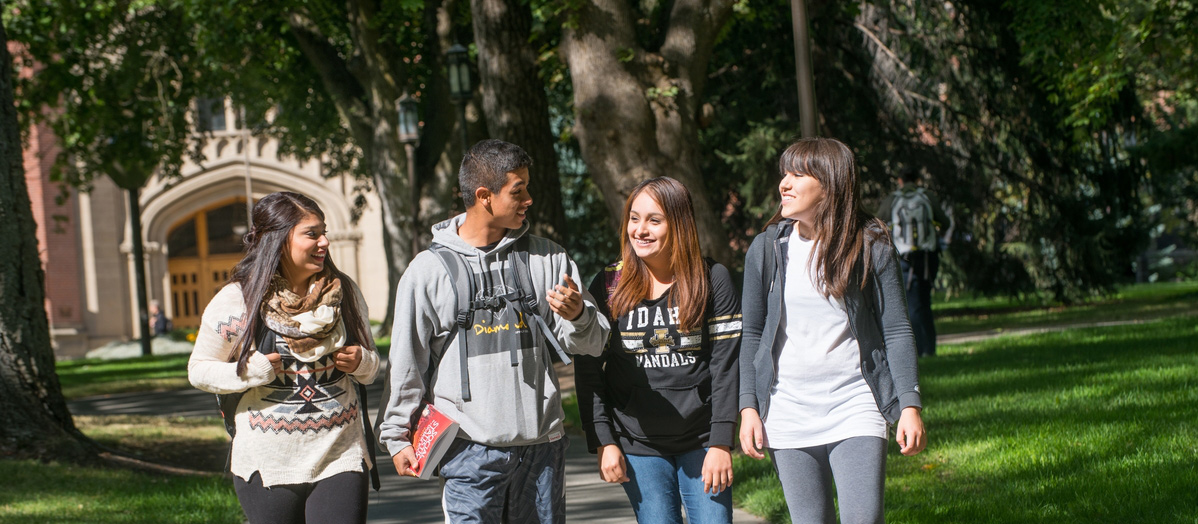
227, 402
371, 443
527, 304
463, 281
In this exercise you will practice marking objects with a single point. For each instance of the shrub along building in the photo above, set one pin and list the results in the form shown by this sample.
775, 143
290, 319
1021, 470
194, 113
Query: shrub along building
192, 228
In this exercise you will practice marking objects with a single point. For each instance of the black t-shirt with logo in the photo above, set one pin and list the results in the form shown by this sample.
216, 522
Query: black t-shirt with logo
659, 390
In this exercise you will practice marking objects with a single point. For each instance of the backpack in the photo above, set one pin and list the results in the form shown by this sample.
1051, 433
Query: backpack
523, 300
911, 222
611, 278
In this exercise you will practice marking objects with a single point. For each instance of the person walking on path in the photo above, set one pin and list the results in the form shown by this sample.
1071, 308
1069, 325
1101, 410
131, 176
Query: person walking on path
289, 337
915, 214
159, 324
828, 359
490, 368
659, 405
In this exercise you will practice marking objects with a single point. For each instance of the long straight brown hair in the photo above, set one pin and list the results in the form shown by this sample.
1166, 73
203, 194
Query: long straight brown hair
691, 287
274, 218
841, 226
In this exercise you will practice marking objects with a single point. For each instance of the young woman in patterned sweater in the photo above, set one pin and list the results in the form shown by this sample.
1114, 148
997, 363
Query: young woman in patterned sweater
659, 405
299, 453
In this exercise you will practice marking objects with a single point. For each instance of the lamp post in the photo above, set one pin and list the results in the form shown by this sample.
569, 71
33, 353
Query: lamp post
460, 85
128, 159
806, 83
409, 134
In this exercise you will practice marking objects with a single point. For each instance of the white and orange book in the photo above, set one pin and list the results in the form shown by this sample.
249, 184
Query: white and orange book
434, 433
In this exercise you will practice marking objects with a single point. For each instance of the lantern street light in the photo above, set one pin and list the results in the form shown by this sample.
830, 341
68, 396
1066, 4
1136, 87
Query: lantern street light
461, 87
408, 130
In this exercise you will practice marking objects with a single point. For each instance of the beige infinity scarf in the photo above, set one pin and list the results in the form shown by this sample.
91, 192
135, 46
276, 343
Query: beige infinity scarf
310, 324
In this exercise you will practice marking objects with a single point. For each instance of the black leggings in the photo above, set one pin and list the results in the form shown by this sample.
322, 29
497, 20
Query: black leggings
339, 498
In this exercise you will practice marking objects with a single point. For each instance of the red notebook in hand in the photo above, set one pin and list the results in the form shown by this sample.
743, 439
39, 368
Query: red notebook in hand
434, 433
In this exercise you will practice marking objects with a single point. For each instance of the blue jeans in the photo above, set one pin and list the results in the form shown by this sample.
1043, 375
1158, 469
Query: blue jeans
517, 484
658, 487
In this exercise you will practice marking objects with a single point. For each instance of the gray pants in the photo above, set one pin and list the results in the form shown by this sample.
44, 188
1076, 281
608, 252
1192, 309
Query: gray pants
858, 467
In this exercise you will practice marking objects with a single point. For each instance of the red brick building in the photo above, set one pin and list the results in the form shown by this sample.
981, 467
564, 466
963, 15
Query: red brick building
191, 226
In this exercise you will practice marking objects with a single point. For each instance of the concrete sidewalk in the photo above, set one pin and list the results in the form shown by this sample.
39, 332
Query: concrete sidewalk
402, 500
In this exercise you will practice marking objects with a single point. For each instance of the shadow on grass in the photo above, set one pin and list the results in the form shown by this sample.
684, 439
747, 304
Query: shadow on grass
60, 493
1090, 425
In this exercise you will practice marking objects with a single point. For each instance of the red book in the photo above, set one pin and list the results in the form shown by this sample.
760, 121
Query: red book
434, 433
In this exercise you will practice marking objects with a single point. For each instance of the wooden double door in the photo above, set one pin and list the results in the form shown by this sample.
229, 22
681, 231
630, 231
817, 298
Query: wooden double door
202, 251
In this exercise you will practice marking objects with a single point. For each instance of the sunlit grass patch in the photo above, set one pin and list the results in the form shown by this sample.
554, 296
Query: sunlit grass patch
62, 493
1134, 302
93, 376
1089, 425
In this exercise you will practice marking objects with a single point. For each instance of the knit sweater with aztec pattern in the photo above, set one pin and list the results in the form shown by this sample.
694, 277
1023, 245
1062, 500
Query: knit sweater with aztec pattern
295, 427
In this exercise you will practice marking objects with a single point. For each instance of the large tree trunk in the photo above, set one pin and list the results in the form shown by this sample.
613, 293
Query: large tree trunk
37, 423
364, 89
515, 104
636, 106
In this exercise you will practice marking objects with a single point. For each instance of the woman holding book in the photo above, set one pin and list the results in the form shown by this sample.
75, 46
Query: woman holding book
829, 359
288, 337
659, 405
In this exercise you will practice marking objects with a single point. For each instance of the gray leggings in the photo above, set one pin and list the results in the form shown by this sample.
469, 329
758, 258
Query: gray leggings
858, 466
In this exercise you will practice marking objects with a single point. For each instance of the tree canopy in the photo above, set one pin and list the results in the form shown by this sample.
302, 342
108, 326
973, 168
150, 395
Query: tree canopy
1058, 133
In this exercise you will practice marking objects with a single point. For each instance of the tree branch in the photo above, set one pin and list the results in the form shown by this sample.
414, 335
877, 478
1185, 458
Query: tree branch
343, 86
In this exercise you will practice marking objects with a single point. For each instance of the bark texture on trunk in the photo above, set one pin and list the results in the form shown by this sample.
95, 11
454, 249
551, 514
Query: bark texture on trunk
364, 87
37, 423
515, 104
636, 106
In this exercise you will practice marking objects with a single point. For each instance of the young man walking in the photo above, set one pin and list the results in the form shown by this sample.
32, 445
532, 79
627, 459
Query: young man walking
486, 360
914, 215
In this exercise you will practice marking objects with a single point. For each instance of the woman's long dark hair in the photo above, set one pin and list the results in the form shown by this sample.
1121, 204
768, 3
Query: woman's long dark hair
274, 218
691, 286
841, 225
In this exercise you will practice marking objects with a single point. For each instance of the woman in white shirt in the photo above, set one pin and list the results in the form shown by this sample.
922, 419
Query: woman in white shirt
828, 357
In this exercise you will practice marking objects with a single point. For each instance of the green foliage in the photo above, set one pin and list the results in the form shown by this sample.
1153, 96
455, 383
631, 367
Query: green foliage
114, 79
949, 89
1059, 134
1077, 426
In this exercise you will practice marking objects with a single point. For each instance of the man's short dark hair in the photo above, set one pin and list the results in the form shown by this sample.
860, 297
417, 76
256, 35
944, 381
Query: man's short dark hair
487, 164
909, 175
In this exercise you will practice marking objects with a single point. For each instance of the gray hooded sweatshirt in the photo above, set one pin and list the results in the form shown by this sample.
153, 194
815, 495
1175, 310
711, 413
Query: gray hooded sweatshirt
510, 405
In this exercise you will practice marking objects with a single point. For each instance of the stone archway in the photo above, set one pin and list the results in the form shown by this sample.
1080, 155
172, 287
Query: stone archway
187, 281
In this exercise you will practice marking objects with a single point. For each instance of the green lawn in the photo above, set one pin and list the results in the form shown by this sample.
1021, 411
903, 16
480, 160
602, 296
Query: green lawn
1087, 425
1141, 301
87, 377
61, 493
